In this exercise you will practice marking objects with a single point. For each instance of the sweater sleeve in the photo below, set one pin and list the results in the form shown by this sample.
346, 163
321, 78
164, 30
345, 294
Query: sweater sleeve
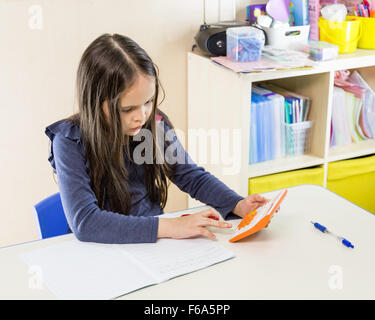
196, 181
87, 221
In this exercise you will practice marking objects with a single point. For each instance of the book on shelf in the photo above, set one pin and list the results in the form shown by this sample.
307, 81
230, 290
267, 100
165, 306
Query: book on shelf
278, 125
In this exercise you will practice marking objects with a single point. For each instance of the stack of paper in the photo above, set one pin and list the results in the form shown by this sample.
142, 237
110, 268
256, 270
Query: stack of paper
353, 112
272, 59
367, 114
340, 133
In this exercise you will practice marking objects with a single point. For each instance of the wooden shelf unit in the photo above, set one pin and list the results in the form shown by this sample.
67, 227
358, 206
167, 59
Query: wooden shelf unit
220, 99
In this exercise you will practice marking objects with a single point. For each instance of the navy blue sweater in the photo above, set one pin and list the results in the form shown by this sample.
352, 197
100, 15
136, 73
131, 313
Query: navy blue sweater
90, 223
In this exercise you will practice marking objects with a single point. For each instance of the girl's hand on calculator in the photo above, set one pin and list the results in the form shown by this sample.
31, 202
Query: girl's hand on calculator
249, 204
191, 225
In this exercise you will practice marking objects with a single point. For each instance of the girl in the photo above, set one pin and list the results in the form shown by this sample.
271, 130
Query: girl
108, 193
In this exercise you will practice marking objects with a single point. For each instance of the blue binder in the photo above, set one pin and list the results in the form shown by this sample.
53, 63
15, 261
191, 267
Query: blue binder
262, 133
277, 118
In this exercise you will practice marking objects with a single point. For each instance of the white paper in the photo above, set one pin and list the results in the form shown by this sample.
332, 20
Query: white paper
80, 270
169, 258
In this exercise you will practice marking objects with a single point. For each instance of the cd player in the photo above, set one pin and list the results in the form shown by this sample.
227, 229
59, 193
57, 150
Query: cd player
211, 38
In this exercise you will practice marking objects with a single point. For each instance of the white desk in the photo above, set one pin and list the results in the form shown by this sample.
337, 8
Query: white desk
288, 260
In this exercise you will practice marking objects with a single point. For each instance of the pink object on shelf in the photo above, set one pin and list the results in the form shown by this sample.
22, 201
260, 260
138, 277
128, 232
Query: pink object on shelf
314, 14
278, 9
342, 77
324, 2
342, 80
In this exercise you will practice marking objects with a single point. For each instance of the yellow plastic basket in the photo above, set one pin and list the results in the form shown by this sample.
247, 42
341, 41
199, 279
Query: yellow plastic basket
287, 179
367, 39
344, 34
354, 179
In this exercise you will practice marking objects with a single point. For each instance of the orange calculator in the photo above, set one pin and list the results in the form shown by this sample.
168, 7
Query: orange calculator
258, 219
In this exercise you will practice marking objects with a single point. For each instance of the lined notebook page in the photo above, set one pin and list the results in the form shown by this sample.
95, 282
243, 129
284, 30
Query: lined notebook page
79, 270
169, 258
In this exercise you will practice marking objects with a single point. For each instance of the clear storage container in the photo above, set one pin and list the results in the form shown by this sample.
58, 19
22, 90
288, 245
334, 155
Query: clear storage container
298, 137
244, 43
321, 51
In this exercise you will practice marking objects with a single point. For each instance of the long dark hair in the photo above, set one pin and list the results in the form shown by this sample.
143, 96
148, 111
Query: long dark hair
108, 67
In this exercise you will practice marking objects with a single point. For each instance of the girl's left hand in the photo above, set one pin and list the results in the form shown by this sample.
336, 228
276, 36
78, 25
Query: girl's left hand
249, 204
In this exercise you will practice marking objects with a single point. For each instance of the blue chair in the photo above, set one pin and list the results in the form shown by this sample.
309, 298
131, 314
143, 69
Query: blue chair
50, 218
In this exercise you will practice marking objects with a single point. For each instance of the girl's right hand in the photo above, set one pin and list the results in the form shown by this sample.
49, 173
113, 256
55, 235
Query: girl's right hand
191, 225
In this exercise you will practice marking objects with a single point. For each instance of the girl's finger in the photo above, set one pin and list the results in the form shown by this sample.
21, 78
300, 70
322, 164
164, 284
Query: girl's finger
264, 201
211, 213
217, 224
258, 198
205, 212
204, 232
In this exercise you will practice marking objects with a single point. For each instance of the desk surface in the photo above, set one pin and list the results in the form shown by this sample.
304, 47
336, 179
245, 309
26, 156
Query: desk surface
288, 260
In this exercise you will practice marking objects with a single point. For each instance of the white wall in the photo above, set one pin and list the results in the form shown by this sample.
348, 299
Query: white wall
41, 43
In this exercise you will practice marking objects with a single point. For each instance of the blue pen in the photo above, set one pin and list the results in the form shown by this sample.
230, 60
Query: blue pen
325, 230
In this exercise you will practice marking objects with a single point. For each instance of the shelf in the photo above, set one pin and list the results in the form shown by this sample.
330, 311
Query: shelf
358, 59
352, 150
283, 164
220, 98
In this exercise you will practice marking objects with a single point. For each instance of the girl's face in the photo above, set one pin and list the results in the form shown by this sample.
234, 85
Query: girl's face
136, 104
